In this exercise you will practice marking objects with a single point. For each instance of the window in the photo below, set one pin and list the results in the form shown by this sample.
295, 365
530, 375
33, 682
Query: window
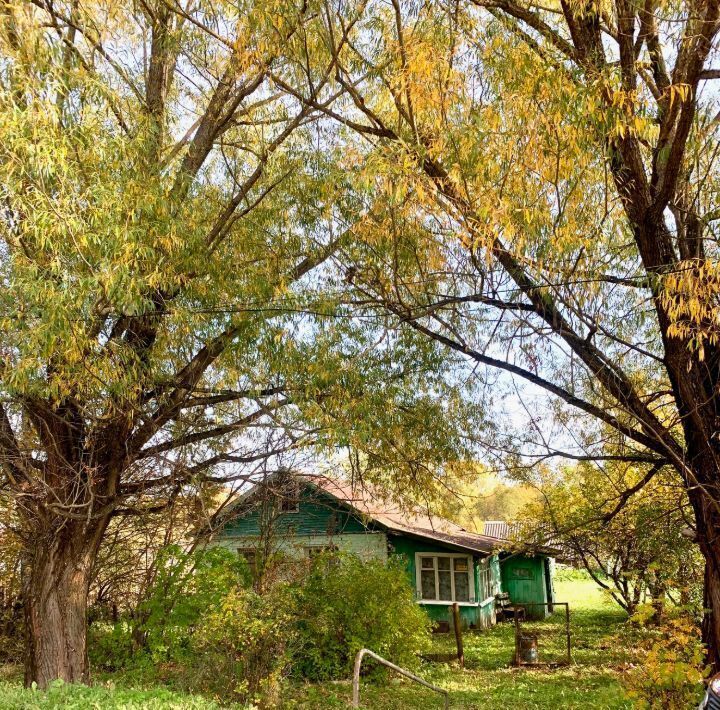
444, 578
313, 551
485, 581
250, 556
290, 498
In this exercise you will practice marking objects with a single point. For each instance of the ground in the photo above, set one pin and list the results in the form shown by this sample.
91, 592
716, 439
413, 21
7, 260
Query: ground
488, 682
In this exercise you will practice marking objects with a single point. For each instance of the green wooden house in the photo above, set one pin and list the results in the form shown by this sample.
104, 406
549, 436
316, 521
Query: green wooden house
298, 517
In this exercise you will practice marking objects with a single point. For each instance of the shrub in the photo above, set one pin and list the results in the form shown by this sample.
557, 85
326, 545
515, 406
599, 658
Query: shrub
110, 646
671, 673
161, 629
246, 640
185, 588
204, 626
346, 604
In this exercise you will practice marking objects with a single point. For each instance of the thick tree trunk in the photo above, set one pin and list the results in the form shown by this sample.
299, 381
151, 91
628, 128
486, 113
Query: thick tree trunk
55, 596
711, 603
707, 517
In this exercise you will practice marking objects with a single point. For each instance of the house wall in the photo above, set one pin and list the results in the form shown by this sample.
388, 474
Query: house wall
480, 614
318, 514
366, 545
523, 578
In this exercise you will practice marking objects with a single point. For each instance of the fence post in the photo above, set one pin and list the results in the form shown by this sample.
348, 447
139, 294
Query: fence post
458, 634
567, 632
356, 678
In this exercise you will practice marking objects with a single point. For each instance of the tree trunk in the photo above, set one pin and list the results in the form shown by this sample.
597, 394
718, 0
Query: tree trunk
55, 596
658, 594
711, 603
707, 519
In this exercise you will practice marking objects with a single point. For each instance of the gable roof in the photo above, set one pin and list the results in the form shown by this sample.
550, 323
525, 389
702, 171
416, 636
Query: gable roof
370, 504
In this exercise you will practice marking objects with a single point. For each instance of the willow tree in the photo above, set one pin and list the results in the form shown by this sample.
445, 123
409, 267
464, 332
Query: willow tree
167, 219
550, 178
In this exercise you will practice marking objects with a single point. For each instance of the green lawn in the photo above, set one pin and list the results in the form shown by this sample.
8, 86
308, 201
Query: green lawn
488, 681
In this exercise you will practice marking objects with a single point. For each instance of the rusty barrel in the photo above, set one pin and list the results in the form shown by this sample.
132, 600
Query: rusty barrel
528, 648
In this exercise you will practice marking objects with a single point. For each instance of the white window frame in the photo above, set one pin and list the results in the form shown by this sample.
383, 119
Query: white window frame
419, 556
485, 571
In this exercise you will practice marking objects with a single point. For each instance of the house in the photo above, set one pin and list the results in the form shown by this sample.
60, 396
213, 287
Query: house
296, 517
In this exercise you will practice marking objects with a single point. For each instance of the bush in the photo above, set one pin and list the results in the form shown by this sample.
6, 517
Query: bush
186, 587
110, 646
246, 640
347, 604
671, 673
203, 627
161, 629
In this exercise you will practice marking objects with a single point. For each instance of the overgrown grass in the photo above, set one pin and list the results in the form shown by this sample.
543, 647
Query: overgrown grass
104, 697
489, 682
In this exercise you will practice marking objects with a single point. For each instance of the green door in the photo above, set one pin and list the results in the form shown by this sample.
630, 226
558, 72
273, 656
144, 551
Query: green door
524, 579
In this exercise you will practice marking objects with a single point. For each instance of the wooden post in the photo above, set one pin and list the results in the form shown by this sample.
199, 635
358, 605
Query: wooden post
458, 634
567, 632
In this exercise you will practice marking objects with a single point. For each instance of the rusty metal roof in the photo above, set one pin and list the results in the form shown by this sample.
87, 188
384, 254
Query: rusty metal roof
414, 521
500, 529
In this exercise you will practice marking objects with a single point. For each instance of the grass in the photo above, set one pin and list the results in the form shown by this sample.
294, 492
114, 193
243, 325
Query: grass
489, 682
105, 697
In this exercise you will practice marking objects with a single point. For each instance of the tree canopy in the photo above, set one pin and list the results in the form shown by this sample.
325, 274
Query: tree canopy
234, 230
549, 175
171, 316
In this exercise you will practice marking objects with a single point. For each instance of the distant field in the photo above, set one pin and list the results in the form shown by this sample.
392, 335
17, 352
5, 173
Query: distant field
488, 681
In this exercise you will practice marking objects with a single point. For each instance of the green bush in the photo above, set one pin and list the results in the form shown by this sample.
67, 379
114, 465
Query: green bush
204, 628
670, 676
346, 604
110, 646
185, 588
242, 647
161, 629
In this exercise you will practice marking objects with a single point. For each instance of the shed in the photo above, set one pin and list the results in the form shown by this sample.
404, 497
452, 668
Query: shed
526, 576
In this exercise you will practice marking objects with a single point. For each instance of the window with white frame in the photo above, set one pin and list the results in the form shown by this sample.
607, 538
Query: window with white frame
444, 577
486, 585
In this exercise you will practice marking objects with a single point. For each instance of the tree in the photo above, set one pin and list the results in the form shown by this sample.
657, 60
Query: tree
167, 219
549, 174
470, 493
637, 548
